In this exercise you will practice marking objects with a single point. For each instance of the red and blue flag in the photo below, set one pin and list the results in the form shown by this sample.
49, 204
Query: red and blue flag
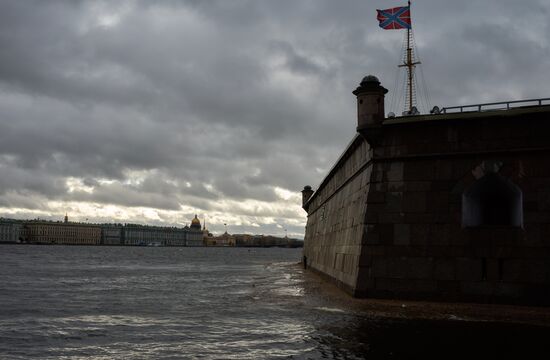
395, 18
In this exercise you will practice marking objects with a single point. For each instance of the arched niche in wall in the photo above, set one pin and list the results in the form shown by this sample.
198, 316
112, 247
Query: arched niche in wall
492, 200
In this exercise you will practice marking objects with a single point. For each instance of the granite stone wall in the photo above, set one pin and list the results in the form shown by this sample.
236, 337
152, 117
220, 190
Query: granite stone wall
415, 243
336, 215
387, 220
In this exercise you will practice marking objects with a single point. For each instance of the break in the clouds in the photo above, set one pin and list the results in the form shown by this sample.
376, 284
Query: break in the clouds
150, 112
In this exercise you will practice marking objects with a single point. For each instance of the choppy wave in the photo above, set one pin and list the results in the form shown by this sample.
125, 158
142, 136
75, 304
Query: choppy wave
62, 302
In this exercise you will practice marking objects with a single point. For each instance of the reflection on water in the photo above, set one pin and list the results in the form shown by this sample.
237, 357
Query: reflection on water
221, 303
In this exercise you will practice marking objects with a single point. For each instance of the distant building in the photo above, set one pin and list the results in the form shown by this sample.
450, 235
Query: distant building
244, 240
195, 234
224, 239
135, 234
72, 233
205, 234
66, 233
178, 237
112, 234
10, 231
247, 240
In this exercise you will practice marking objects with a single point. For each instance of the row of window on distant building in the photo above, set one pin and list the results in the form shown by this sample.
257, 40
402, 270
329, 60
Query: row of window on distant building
73, 233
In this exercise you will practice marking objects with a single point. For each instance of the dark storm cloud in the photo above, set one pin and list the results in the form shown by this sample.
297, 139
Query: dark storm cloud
214, 105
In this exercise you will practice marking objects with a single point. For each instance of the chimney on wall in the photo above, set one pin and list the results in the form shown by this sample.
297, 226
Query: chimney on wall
306, 194
370, 108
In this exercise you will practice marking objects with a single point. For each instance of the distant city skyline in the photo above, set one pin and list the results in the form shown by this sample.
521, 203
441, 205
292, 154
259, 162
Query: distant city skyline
47, 232
203, 227
152, 112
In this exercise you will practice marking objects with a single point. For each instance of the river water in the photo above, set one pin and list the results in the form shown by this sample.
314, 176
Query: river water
79, 302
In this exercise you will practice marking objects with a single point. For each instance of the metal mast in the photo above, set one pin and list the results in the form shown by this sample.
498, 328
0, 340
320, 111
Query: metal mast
410, 64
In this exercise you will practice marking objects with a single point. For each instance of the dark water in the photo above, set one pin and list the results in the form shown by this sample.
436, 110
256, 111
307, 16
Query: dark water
61, 302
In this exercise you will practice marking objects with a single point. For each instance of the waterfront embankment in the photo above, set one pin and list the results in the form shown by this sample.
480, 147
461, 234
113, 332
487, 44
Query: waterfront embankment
423, 310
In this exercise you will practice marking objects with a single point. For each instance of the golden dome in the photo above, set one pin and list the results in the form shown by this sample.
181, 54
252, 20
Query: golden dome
196, 223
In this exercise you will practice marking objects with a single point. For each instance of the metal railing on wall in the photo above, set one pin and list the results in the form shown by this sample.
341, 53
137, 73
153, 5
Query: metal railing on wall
504, 105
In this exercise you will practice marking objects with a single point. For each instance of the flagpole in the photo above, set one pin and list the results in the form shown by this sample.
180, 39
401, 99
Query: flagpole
409, 63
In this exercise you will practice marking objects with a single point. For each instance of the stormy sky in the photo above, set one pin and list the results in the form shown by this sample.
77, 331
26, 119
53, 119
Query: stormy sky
153, 111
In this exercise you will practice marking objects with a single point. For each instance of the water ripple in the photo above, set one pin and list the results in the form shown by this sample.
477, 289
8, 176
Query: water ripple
61, 302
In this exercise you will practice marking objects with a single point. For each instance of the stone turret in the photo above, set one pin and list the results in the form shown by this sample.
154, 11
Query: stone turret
306, 194
370, 108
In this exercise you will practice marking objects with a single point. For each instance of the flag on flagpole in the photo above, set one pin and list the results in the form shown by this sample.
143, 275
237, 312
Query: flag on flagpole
395, 18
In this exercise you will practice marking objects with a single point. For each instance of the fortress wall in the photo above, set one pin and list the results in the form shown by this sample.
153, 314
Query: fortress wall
336, 218
415, 245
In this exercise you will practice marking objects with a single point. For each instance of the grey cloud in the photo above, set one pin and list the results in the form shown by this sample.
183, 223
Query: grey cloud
298, 63
127, 196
